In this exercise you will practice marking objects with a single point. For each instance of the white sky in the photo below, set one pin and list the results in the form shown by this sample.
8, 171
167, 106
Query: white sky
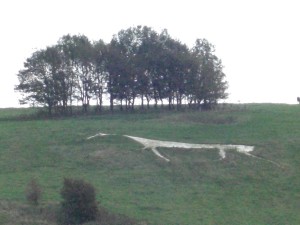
257, 40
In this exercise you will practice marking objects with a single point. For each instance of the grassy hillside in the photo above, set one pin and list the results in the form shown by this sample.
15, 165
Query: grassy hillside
195, 187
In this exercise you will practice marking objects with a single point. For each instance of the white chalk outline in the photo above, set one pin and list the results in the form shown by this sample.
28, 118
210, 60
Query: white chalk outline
154, 144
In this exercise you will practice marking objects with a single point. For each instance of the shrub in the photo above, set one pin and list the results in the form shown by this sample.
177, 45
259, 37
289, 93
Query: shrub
33, 192
79, 202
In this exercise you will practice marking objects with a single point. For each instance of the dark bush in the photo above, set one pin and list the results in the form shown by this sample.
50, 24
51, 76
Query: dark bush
33, 192
79, 202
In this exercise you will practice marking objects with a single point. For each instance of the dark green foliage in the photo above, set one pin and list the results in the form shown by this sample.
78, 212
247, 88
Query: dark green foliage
138, 65
79, 202
33, 192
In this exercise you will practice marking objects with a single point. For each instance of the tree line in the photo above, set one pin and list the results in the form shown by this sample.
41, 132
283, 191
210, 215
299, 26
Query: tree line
138, 67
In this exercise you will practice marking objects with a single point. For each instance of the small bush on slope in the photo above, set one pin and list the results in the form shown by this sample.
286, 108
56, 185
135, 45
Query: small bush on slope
79, 202
33, 192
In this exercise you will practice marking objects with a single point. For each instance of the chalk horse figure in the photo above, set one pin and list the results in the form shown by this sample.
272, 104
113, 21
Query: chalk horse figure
155, 144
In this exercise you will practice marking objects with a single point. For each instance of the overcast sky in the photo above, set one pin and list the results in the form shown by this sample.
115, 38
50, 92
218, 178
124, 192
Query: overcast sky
257, 40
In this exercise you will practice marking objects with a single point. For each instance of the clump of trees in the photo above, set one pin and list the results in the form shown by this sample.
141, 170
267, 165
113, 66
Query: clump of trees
139, 66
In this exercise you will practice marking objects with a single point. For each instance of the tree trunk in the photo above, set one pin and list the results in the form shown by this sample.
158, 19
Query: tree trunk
155, 104
100, 105
170, 102
121, 106
111, 101
142, 98
148, 103
132, 105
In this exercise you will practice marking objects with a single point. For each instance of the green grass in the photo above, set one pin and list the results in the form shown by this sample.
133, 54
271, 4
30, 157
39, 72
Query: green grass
193, 188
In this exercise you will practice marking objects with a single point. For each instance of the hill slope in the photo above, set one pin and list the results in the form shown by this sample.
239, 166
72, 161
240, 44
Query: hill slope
195, 187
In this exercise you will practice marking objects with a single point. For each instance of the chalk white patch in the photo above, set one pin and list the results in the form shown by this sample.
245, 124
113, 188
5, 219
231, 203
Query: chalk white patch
154, 144
154, 150
97, 135
222, 153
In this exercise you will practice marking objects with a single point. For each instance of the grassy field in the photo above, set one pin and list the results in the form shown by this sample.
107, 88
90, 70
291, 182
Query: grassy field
195, 187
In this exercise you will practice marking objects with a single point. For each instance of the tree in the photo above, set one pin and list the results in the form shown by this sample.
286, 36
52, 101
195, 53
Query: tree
41, 80
78, 51
157, 64
208, 85
138, 63
145, 61
115, 66
128, 42
100, 74
177, 67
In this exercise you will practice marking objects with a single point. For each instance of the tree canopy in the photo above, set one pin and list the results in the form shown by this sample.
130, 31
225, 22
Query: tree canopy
138, 65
